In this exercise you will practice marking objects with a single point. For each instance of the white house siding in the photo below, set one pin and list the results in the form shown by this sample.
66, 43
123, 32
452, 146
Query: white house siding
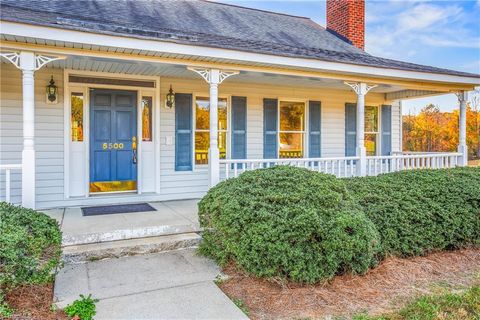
396, 126
190, 184
48, 133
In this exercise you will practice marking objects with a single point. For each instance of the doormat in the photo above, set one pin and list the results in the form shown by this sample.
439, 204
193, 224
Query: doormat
121, 208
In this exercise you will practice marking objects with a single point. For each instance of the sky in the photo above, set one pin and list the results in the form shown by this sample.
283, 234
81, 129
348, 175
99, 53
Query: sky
442, 33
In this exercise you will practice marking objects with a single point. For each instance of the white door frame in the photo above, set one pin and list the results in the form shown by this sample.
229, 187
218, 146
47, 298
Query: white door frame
85, 88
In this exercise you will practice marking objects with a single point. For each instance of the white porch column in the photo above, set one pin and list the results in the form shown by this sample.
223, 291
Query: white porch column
213, 151
214, 77
462, 127
27, 65
28, 62
361, 89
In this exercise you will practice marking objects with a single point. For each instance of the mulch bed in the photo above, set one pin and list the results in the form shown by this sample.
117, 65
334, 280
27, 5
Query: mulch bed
386, 288
34, 302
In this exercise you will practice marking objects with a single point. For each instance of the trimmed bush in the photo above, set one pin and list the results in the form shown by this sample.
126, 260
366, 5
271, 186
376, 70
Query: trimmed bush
287, 222
422, 210
29, 246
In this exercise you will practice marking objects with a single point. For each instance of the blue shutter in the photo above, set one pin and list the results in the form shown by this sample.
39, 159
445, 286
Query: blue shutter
183, 132
270, 109
350, 129
386, 130
239, 127
314, 122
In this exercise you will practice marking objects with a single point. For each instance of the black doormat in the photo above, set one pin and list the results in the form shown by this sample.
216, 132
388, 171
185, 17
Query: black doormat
121, 208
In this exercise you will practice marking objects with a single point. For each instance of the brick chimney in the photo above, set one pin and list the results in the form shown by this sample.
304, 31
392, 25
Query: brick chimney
346, 18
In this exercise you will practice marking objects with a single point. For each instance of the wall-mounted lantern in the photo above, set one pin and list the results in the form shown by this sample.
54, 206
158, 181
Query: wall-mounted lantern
170, 99
52, 92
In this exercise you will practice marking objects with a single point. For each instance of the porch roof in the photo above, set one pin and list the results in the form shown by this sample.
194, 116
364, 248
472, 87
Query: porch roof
203, 23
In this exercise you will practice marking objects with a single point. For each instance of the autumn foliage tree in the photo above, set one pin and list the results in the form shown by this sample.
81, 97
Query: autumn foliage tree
434, 131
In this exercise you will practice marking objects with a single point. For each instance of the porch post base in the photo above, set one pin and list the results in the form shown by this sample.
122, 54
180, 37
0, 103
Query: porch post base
362, 162
28, 178
214, 166
463, 149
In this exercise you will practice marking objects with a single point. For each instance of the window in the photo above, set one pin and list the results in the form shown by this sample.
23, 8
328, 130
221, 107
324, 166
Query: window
292, 129
202, 129
146, 118
371, 130
76, 116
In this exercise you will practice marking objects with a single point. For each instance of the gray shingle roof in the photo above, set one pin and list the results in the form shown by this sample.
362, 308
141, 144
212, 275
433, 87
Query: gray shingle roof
202, 23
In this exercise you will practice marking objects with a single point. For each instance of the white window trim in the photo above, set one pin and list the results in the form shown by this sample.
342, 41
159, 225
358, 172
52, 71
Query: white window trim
305, 128
194, 125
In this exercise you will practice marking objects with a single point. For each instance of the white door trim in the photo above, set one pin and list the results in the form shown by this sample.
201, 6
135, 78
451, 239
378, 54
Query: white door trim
141, 91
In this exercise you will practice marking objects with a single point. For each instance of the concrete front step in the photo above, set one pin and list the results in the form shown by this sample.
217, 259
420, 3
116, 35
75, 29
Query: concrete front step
73, 254
115, 234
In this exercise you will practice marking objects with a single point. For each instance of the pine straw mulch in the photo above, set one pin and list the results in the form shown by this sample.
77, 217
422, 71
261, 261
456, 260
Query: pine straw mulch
34, 302
386, 288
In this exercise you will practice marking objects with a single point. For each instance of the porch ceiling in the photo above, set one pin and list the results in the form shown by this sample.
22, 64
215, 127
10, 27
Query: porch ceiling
117, 66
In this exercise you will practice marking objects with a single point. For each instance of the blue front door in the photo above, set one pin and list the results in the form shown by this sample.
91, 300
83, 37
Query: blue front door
113, 140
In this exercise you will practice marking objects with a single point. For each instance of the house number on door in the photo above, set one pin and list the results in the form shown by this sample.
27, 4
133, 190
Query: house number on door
110, 146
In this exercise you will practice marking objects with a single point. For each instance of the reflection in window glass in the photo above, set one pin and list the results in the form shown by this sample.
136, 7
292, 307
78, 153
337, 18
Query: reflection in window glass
202, 127
146, 118
76, 101
371, 130
292, 129
371, 144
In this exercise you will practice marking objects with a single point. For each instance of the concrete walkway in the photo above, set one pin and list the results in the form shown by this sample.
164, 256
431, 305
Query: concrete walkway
170, 285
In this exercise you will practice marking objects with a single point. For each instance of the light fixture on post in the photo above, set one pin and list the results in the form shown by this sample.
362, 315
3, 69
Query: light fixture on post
52, 92
170, 99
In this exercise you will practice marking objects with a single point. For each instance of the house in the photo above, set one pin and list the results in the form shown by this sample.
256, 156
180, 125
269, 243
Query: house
123, 101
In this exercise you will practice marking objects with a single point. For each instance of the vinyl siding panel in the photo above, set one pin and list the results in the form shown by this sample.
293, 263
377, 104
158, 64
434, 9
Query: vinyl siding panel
48, 133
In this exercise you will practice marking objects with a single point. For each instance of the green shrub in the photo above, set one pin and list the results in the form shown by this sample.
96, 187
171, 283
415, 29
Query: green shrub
422, 210
84, 308
29, 246
289, 223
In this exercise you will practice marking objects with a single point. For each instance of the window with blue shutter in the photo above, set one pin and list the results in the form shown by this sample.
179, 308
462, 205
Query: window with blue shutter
270, 109
350, 129
314, 128
386, 130
183, 132
239, 128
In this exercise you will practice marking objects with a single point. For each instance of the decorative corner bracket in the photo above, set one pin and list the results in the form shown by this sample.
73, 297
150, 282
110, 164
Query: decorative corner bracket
40, 59
43, 59
213, 75
13, 57
360, 88
462, 96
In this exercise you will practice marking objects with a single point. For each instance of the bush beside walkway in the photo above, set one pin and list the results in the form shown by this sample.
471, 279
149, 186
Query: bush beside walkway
295, 224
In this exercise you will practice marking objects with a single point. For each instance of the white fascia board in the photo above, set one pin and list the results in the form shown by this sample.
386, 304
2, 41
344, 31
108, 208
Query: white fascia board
58, 34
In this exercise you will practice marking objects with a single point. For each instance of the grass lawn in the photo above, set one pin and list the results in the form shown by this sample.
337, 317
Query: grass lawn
455, 306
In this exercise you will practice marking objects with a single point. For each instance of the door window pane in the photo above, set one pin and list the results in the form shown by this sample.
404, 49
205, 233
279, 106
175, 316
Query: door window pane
292, 124
146, 118
202, 128
76, 101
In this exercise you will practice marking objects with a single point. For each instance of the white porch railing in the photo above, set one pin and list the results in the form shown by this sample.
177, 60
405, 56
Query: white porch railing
8, 169
346, 166
341, 167
386, 164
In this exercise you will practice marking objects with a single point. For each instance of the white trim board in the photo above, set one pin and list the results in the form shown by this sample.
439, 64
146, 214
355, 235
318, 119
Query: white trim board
89, 38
